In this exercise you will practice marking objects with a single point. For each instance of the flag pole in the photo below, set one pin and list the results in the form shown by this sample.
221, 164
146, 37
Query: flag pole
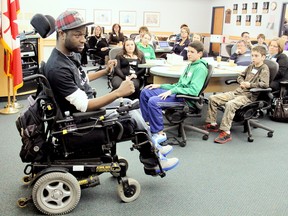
9, 109
15, 104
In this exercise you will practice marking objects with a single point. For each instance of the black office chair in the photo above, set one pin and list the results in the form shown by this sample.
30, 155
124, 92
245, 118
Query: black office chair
229, 48
177, 115
249, 113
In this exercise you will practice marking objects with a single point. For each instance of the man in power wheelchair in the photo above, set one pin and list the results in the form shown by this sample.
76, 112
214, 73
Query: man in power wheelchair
82, 131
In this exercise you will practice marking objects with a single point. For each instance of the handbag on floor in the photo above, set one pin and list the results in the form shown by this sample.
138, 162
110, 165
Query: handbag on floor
280, 112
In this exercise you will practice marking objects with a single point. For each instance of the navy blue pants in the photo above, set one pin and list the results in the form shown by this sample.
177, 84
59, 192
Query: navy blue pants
151, 107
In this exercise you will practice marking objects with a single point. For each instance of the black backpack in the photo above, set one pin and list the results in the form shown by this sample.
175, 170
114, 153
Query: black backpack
35, 123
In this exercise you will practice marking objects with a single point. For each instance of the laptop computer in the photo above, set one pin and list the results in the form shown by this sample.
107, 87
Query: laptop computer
163, 44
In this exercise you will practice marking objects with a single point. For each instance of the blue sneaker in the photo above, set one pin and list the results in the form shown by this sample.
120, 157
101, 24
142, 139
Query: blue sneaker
158, 138
166, 163
164, 150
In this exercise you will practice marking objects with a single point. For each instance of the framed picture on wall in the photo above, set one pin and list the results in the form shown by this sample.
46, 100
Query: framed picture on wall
127, 18
254, 7
265, 7
244, 8
258, 20
228, 16
151, 19
248, 20
102, 17
238, 20
235, 8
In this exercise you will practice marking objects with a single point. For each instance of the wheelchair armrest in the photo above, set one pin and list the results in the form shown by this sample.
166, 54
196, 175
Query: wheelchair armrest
87, 115
260, 90
230, 81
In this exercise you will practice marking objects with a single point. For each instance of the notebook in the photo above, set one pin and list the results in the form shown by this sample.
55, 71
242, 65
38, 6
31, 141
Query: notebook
163, 44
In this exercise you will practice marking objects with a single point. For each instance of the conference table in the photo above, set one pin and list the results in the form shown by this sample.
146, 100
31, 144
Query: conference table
166, 73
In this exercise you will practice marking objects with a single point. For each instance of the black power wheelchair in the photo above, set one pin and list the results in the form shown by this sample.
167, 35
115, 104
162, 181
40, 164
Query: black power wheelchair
60, 164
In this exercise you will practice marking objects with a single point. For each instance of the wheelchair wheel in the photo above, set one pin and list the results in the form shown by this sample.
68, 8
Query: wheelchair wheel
56, 193
130, 193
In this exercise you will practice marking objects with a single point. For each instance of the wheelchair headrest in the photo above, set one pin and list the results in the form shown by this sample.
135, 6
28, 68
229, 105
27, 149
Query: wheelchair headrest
44, 25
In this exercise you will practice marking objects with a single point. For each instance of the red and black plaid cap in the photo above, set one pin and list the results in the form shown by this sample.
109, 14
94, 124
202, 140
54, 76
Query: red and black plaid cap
70, 20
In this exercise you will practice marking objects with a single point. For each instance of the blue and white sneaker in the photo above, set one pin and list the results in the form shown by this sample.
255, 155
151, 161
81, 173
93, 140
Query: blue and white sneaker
158, 138
166, 163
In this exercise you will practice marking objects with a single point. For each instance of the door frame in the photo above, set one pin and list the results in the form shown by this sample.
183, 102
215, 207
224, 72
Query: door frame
213, 23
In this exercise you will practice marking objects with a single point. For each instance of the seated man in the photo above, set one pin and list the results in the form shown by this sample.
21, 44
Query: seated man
155, 97
255, 76
242, 55
70, 85
245, 36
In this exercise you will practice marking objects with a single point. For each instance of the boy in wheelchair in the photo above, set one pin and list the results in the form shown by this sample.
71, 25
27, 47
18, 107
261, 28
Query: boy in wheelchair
70, 85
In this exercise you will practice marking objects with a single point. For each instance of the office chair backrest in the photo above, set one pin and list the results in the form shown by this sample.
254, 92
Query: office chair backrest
209, 75
43, 24
114, 51
229, 48
273, 68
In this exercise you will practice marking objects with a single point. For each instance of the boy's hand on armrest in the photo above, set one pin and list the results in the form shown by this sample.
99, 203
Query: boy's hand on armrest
245, 85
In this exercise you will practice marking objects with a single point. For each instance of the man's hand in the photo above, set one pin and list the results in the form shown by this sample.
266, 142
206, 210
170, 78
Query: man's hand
133, 76
164, 95
111, 64
152, 86
126, 88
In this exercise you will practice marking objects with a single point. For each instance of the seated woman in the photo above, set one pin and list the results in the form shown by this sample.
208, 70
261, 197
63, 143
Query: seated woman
146, 48
183, 42
127, 66
275, 52
116, 37
99, 45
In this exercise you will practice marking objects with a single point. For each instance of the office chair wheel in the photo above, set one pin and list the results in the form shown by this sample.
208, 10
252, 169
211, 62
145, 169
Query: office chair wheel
129, 192
182, 143
56, 193
120, 160
205, 137
250, 139
270, 134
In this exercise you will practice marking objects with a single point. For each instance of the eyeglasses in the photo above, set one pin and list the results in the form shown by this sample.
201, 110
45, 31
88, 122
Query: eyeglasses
184, 32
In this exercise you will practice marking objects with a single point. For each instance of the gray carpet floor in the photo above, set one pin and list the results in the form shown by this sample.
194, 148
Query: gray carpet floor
235, 179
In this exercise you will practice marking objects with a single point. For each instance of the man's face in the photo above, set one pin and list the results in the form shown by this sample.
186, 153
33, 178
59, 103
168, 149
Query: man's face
192, 54
74, 39
241, 47
246, 37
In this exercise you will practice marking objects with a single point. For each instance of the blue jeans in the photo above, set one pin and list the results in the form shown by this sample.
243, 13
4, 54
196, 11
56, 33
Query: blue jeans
151, 107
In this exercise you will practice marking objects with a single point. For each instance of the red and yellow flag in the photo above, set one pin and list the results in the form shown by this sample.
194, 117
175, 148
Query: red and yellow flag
11, 44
